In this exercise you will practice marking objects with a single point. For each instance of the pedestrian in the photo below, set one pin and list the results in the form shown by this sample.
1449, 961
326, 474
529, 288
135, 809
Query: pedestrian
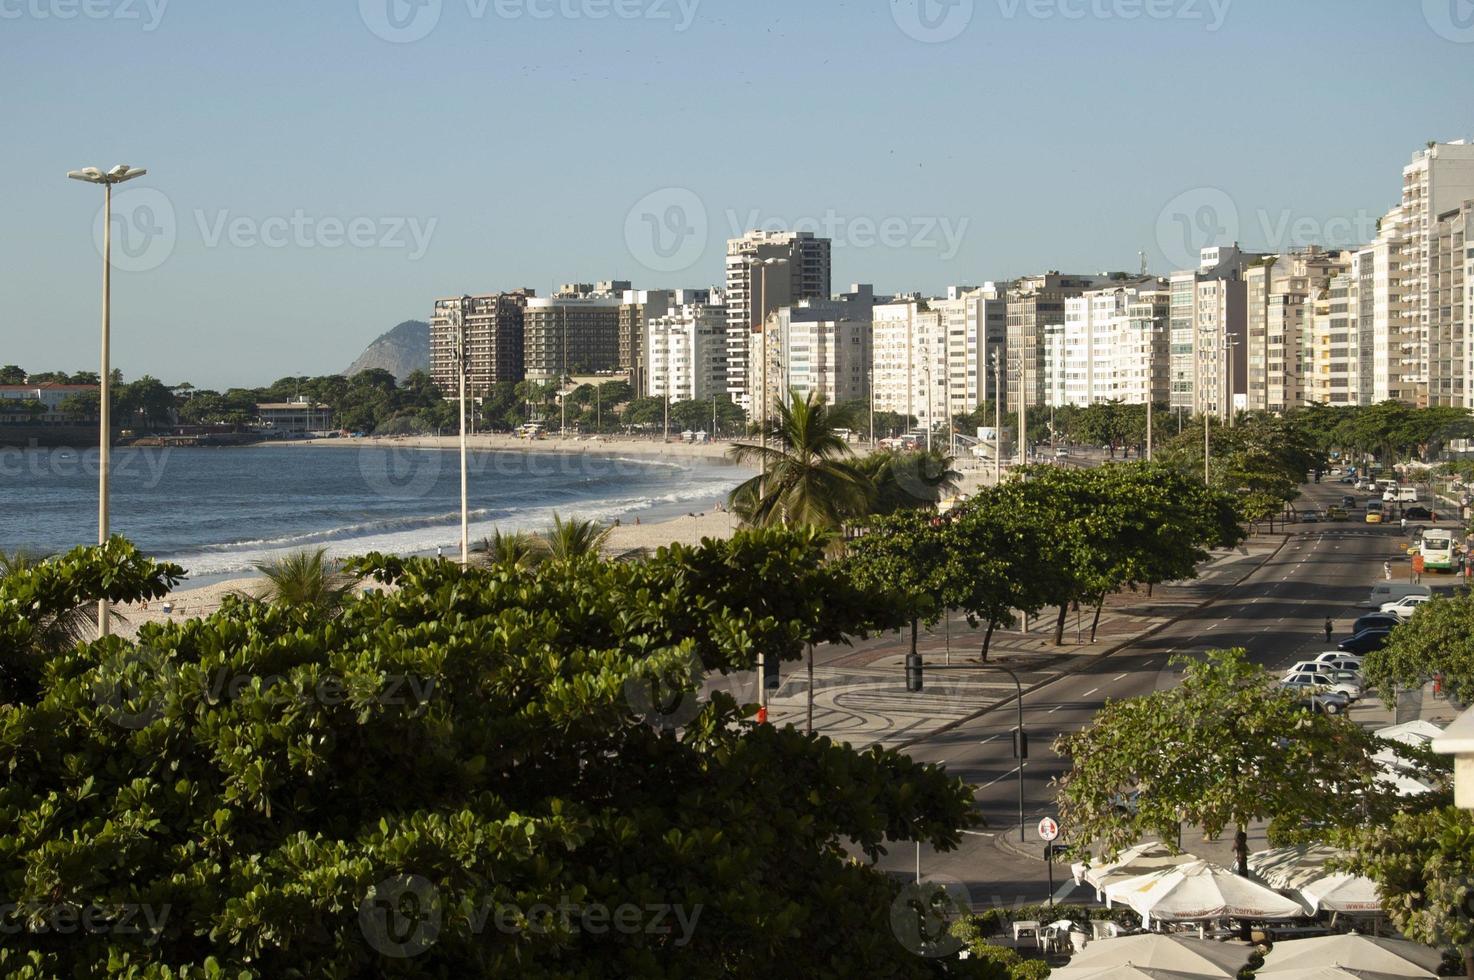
1387, 570
1330, 629
1404, 523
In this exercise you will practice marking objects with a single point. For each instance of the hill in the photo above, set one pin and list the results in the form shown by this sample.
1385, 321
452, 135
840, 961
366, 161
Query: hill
402, 350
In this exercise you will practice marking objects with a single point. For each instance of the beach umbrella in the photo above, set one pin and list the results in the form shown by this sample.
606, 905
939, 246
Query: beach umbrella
1301, 870
1394, 771
1180, 955
1124, 971
1370, 957
1130, 863
1201, 890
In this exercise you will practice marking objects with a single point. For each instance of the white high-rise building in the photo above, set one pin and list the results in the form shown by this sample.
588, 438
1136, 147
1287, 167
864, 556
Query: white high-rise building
908, 360
1208, 324
686, 351
767, 270
1115, 345
1278, 323
1391, 345
821, 346
974, 328
1438, 180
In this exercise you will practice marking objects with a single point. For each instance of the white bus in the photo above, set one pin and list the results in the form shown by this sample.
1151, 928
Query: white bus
1438, 550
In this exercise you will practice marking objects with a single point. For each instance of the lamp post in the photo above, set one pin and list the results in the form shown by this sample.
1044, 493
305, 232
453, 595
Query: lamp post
762, 266
997, 419
92, 175
461, 356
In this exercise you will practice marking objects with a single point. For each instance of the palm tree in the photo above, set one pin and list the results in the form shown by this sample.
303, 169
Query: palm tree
806, 479
305, 580
908, 480
574, 538
518, 550
60, 631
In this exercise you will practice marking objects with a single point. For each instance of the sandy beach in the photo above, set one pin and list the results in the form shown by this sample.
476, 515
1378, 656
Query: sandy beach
188, 602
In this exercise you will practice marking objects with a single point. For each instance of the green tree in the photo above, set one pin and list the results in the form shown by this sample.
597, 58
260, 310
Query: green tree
906, 480
81, 406
1438, 641
1224, 749
908, 557
574, 538
305, 580
274, 779
517, 550
11, 374
807, 477
1423, 864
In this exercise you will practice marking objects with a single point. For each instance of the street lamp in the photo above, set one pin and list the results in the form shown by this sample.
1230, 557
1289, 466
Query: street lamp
461, 356
997, 419
122, 172
762, 266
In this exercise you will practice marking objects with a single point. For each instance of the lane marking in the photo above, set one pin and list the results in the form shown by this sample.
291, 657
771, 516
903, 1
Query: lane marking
1118, 677
1000, 778
987, 740
1055, 708
1090, 692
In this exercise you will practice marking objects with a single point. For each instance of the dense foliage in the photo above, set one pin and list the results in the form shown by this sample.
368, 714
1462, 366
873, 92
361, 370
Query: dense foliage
472, 773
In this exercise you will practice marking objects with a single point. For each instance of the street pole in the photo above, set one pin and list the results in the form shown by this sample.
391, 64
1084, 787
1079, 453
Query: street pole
1149, 424
1023, 400
117, 175
870, 384
563, 382
997, 419
465, 500
1207, 448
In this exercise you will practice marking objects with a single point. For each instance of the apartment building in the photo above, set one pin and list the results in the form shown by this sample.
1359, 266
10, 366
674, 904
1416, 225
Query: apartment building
686, 352
1451, 349
1113, 346
574, 332
908, 360
494, 339
1034, 303
637, 308
1333, 367
1208, 321
1278, 323
818, 346
1438, 180
767, 270
1390, 345
974, 331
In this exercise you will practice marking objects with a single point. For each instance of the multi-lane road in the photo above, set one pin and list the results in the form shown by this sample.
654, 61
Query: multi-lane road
1278, 614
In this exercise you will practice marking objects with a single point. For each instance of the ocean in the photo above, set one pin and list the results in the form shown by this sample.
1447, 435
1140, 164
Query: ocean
218, 511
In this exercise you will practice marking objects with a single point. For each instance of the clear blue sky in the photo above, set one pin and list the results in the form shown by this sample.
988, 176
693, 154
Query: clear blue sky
523, 139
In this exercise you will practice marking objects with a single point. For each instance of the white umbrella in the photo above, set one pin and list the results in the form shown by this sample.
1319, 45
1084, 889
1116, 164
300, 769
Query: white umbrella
1392, 769
1340, 973
1302, 871
1365, 956
1184, 955
1201, 890
1124, 971
1130, 863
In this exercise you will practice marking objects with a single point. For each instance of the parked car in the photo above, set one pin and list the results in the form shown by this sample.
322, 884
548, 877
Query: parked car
1348, 479
1404, 608
1325, 702
1341, 660
1373, 620
1418, 514
1392, 591
1309, 681
1366, 641
1310, 516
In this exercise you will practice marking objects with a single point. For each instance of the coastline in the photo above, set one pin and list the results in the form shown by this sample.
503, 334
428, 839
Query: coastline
503, 442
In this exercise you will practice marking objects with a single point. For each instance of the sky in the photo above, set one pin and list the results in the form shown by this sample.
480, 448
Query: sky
320, 171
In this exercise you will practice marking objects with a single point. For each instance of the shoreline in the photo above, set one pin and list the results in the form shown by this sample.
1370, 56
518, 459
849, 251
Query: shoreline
502, 442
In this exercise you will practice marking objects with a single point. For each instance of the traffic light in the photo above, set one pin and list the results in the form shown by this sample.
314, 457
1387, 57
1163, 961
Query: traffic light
913, 672
1020, 744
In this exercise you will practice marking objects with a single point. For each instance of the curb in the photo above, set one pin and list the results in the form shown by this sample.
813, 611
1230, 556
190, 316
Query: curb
1108, 651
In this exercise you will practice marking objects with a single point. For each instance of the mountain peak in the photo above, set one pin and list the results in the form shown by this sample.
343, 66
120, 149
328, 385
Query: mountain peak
401, 351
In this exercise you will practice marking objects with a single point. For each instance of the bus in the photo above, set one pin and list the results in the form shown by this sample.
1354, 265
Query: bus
1438, 550
1374, 512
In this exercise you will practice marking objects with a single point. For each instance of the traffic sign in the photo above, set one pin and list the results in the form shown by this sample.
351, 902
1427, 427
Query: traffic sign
1048, 829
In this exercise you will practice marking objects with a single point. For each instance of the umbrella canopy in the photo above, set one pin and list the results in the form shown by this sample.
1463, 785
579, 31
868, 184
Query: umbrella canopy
1301, 870
1363, 956
1182, 954
1392, 769
1339, 973
1125, 971
1201, 890
1130, 863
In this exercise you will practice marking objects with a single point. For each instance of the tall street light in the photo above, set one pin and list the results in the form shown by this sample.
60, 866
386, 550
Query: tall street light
997, 419
117, 175
762, 266
462, 356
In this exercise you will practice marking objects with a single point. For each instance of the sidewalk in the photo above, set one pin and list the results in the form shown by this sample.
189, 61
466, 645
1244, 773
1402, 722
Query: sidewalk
860, 695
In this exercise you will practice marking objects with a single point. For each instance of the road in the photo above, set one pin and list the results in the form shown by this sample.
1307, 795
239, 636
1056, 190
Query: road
1278, 614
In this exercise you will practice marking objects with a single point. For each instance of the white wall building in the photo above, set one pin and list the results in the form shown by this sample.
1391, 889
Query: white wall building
686, 353
1115, 345
821, 346
799, 270
1437, 180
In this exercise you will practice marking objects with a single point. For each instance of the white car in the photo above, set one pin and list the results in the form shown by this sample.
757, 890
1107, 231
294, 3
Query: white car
1331, 656
1404, 608
1312, 682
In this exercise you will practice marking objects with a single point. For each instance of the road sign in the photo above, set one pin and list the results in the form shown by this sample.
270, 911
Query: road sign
1048, 829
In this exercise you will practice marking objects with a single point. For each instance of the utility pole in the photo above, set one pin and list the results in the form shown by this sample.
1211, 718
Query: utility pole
563, 380
930, 421
870, 384
460, 318
997, 419
1023, 400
